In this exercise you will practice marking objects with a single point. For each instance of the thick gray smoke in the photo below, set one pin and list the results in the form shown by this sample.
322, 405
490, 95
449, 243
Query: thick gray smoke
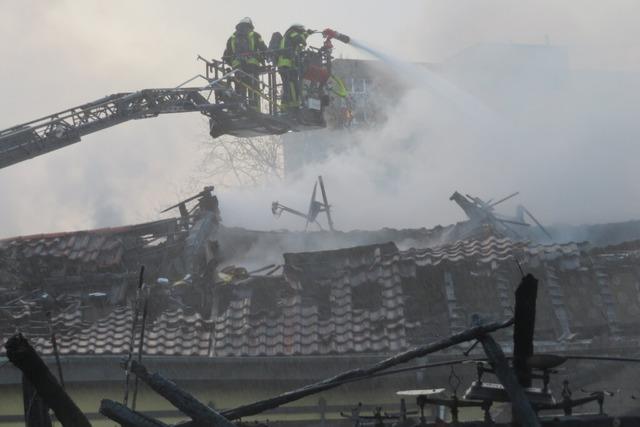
570, 148
564, 139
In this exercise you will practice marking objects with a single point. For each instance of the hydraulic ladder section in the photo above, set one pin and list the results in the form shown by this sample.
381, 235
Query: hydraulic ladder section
58, 130
55, 131
229, 112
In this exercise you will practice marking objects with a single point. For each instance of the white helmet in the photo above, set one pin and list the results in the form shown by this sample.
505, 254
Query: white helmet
246, 20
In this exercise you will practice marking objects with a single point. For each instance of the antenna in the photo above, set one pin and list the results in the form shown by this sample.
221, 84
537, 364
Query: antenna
327, 206
504, 199
533, 218
313, 211
315, 207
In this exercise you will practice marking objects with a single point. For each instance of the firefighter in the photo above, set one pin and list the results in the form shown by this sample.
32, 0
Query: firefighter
291, 45
244, 51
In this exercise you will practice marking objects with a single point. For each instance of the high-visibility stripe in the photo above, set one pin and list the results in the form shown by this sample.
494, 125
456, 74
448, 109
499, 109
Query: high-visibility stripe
252, 48
340, 88
285, 43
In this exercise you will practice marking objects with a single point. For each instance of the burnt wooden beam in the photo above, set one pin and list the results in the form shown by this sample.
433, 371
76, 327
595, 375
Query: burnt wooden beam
355, 374
126, 417
25, 358
36, 412
200, 413
523, 412
524, 327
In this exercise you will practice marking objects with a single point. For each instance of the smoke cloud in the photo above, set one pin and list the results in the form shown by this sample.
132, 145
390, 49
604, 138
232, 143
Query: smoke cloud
570, 153
570, 147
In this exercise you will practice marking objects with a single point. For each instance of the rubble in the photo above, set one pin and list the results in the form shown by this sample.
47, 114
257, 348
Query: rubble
211, 295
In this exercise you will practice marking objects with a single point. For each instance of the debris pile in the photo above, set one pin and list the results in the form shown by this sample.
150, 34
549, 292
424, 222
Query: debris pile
80, 294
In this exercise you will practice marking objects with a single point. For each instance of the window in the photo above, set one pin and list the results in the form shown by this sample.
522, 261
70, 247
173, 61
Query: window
366, 296
319, 296
358, 85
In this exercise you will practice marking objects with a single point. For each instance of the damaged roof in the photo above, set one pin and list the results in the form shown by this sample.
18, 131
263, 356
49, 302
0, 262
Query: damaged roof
369, 299
103, 247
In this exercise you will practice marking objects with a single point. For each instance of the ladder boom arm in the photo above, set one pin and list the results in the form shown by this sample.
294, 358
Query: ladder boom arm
67, 127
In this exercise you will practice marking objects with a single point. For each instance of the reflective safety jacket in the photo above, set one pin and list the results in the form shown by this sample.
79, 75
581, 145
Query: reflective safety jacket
244, 48
291, 45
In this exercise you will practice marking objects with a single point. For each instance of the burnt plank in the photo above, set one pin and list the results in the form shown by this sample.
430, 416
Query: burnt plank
36, 412
522, 410
201, 414
126, 417
524, 327
25, 358
329, 383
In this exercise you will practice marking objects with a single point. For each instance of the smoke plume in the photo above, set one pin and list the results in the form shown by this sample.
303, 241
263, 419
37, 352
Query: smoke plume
566, 138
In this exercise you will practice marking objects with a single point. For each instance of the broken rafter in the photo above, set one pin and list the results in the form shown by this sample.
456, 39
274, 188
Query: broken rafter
25, 358
126, 417
201, 414
524, 327
36, 413
522, 410
291, 396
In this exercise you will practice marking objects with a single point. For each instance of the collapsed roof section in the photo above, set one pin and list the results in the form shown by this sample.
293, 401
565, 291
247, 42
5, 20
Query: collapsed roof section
368, 299
92, 259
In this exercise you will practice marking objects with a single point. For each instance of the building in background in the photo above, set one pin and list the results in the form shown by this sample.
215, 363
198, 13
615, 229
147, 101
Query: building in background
508, 78
372, 88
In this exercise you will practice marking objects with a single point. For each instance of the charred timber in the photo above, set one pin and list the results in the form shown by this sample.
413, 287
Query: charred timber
522, 410
126, 417
25, 358
524, 327
36, 413
356, 374
201, 414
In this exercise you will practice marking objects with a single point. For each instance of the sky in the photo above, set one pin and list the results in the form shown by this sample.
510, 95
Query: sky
57, 54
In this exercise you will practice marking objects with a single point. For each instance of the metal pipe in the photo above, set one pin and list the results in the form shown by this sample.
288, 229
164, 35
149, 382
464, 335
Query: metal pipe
140, 346
56, 353
134, 322
327, 208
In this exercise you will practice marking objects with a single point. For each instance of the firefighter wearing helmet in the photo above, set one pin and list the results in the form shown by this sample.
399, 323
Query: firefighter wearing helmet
244, 52
292, 43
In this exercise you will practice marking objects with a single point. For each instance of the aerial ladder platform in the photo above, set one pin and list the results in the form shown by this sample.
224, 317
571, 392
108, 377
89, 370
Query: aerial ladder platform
228, 113
67, 127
